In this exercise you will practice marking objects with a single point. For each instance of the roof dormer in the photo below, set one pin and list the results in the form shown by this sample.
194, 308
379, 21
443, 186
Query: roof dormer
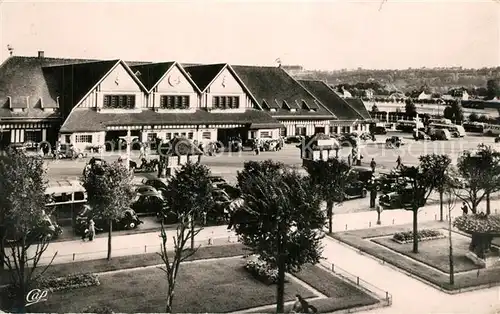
285, 105
304, 105
265, 105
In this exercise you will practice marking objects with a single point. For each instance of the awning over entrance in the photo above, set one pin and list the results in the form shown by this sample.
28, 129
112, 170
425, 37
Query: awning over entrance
88, 120
255, 126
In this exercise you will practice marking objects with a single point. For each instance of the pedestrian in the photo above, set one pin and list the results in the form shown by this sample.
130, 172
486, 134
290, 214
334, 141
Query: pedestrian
349, 159
204, 218
92, 229
465, 208
300, 305
373, 164
398, 162
142, 153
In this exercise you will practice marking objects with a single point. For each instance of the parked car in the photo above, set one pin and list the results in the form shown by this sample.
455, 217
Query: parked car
149, 190
159, 184
394, 141
129, 220
378, 130
68, 151
294, 139
417, 134
439, 134
395, 200
148, 203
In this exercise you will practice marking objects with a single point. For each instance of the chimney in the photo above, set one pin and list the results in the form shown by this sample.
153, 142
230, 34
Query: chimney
9, 100
41, 54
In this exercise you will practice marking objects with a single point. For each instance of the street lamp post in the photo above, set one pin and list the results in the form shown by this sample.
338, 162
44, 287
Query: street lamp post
128, 140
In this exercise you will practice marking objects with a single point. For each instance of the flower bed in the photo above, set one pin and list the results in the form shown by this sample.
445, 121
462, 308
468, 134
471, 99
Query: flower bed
423, 235
261, 270
478, 223
74, 281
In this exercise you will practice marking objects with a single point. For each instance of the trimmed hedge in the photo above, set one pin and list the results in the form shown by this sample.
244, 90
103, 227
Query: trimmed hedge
423, 234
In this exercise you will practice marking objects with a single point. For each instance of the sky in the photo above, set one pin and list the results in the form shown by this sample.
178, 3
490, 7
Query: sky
327, 35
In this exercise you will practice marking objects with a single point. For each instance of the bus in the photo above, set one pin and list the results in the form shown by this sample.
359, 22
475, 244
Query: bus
67, 199
409, 125
491, 129
458, 130
474, 127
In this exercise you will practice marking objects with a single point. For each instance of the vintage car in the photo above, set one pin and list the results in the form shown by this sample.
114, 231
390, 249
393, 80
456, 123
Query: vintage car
129, 220
396, 200
394, 141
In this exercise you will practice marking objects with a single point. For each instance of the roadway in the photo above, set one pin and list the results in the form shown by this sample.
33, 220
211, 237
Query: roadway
228, 163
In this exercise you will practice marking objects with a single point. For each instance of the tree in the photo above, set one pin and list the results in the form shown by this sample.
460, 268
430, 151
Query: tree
416, 183
26, 230
173, 260
479, 176
410, 108
282, 220
441, 165
109, 193
473, 117
191, 190
492, 88
454, 112
451, 201
374, 108
331, 179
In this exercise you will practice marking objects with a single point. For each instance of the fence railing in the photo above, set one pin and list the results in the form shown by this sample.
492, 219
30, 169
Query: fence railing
131, 250
383, 295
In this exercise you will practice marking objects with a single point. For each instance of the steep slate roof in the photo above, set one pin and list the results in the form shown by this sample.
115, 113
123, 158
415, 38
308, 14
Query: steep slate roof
359, 106
203, 75
77, 80
272, 87
151, 73
331, 100
87, 120
25, 76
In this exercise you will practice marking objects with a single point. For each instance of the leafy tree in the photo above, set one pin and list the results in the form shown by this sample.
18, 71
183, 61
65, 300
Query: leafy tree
109, 193
190, 191
375, 108
479, 176
26, 228
283, 221
410, 108
416, 183
473, 117
441, 165
331, 179
492, 88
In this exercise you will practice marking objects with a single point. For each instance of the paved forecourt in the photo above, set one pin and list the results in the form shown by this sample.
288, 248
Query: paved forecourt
228, 163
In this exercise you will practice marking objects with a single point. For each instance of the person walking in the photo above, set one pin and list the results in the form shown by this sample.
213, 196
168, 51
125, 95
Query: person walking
92, 229
465, 208
142, 152
373, 164
398, 162
349, 159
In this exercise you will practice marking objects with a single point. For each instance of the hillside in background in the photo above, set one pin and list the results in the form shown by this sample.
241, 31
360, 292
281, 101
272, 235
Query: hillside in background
438, 80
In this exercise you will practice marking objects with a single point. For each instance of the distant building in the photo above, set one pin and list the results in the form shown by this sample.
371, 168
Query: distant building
424, 96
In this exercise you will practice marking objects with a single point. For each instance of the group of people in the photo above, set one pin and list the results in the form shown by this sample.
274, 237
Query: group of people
90, 231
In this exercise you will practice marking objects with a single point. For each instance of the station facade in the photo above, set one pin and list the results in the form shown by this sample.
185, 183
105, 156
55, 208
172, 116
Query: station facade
92, 102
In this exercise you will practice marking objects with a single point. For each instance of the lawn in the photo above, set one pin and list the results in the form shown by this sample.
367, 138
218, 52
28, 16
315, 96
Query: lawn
435, 252
130, 261
359, 239
205, 286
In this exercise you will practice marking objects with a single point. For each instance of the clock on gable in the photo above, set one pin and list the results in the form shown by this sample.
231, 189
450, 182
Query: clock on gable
174, 80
